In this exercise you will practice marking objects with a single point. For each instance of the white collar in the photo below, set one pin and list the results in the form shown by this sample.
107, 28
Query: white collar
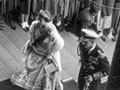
94, 45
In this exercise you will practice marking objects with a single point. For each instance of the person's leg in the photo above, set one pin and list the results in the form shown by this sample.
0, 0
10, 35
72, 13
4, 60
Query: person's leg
10, 20
22, 20
102, 22
26, 20
25, 11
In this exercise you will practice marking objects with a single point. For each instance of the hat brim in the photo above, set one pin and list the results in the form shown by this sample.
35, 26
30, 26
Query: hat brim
90, 34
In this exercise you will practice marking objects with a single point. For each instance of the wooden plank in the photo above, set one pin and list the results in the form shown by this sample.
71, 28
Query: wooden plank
108, 48
68, 56
70, 44
12, 65
72, 69
4, 54
4, 72
65, 75
21, 33
8, 60
10, 48
13, 37
70, 84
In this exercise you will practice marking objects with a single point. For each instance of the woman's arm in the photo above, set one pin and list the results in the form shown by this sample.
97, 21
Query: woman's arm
57, 45
34, 31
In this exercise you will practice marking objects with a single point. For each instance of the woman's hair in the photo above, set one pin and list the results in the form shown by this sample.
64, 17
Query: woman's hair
45, 15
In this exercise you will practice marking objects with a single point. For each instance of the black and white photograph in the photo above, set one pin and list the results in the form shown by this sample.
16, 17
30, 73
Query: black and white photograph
59, 45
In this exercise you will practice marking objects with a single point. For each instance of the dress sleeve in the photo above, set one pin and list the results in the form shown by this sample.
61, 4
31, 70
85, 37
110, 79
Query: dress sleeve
34, 32
26, 48
58, 44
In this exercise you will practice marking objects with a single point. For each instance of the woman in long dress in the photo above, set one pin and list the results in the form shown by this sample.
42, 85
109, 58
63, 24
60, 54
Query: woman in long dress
40, 50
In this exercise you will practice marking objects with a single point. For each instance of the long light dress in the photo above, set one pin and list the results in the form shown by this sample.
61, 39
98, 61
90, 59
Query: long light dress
31, 75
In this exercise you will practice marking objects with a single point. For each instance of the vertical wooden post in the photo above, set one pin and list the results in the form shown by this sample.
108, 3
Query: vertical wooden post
113, 82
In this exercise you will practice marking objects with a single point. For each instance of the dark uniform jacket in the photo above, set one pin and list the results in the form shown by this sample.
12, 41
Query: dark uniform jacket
94, 63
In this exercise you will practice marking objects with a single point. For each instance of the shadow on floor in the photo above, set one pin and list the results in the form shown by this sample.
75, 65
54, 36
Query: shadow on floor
70, 85
7, 85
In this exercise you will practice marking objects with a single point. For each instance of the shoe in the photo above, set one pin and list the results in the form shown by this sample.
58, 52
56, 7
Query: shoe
26, 24
26, 29
110, 36
113, 39
103, 38
100, 33
13, 27
23, 25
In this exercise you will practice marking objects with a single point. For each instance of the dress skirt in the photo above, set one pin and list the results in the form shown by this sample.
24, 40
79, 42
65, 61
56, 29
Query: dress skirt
31, 75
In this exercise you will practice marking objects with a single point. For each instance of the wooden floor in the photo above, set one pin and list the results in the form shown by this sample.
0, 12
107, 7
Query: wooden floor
11, 43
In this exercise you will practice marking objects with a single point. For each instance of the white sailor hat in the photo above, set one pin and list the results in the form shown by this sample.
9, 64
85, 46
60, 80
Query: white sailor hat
89, 34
